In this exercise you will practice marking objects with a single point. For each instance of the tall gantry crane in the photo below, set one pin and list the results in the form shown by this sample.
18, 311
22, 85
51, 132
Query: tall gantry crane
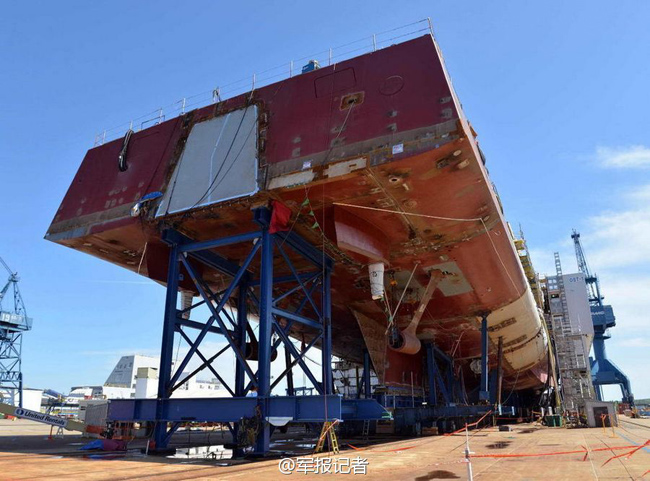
13, 324
603, 371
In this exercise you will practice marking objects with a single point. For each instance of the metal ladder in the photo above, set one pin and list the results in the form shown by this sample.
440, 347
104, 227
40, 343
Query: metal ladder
328, 433
366, 429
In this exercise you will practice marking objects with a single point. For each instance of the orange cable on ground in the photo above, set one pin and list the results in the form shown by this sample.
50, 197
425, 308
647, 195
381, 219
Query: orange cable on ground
468, 425
636, 448
384, 451
577, 451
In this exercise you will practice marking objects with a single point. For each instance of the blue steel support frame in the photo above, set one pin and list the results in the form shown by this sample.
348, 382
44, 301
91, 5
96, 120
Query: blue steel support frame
166, 350
484, 390
367, 387
432, 399
264, 337
188, 254
436, 380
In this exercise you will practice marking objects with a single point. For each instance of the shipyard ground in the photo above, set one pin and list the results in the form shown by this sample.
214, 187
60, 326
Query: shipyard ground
27, 454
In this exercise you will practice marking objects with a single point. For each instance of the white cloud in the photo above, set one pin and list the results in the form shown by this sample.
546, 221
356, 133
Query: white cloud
639, 194
632, 157
621, 238
617, 245
635, 342
628, 295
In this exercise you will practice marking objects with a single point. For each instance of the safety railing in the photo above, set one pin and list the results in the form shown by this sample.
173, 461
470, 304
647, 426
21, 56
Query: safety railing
231, 89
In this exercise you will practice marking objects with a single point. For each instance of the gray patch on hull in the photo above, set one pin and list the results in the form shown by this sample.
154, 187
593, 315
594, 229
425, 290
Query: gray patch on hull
452, 282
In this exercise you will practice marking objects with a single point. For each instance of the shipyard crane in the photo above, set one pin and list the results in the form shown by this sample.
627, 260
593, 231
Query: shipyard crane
603, 371
13, 323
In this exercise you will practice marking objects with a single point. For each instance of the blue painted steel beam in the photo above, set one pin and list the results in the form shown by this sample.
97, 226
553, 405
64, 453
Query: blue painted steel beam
432, 399
285, 279
315, 256
167, 347
297, 317
292, 364
297, 277
240, 337
224, 241
198, 325
367, 385
206, 363
286, 329
484, 390
172, 237
301, 285
294, 352
363, 409
310, 408
264, 339
298, 408
215, 313
442, 354
445, 390
217, 295
326, 345
215, 261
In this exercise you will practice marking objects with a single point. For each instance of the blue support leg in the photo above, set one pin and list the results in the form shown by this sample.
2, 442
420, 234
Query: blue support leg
367, 392
326, 347
240, 333
264, 339
484, 390
432, 399
166, 352
240, 374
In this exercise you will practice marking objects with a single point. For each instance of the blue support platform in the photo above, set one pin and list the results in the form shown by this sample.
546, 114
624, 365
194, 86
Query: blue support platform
253, 284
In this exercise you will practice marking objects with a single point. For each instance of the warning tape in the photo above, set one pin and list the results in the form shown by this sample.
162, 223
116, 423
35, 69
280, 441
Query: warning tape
382, 451
584, 450
636, 448
469, 425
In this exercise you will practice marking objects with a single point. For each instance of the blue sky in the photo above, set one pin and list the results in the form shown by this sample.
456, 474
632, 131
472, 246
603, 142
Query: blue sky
557, 92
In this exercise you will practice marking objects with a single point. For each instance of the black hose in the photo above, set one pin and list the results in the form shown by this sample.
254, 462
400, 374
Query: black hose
121, 159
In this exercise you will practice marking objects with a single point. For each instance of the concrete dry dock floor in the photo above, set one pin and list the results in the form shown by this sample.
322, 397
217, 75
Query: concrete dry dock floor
26, 454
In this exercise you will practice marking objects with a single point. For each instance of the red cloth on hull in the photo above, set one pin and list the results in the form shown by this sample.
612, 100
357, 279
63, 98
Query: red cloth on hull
279, 217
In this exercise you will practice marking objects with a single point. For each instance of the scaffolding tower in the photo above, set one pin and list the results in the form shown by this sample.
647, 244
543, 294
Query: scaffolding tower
575, 376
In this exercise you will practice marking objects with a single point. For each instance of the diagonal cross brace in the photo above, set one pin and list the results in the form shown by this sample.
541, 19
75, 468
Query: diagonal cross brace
297, 277
295, 361
287, 328
314, 277
207, 363
294, 352
215, 314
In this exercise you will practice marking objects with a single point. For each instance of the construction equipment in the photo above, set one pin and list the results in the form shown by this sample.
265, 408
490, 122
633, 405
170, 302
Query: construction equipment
13, 323
603, 371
